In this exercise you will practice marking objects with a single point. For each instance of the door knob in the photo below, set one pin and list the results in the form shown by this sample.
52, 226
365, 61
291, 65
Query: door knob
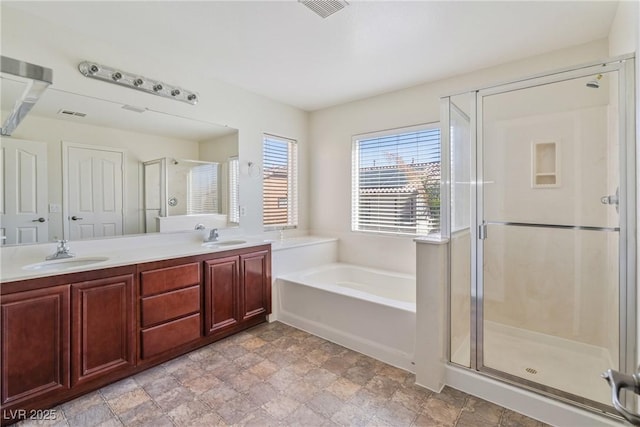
75, 218
39, 220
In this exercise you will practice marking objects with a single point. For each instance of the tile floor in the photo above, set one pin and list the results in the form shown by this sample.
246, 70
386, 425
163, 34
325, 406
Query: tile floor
276, 375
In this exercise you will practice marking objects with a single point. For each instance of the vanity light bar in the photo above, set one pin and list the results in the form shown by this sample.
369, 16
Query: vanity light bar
134, 81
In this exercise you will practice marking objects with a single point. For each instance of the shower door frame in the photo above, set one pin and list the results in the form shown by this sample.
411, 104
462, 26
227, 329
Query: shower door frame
624, 65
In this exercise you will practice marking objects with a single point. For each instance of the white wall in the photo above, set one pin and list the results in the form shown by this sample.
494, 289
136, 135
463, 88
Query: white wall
331, 130
623, 37
32, 39
219, 149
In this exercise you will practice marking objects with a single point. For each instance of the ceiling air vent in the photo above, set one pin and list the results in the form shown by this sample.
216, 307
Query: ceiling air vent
72, 113
324, 8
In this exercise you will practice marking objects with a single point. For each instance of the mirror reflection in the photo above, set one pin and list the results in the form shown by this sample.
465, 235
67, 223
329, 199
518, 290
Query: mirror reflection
80, 167
203, 191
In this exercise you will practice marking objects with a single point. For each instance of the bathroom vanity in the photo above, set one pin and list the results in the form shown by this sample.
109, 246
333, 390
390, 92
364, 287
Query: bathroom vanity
67, 334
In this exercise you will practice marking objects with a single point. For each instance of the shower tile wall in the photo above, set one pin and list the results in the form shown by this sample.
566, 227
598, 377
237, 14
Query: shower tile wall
543, 279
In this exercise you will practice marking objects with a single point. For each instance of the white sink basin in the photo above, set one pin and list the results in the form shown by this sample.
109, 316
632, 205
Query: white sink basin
224, 243
64, 264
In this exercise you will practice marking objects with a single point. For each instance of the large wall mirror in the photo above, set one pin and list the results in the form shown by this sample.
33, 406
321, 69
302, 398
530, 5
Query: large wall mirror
80, 167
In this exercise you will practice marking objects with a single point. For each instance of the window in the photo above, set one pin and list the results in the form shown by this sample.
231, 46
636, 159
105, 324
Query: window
234, 206
279, 188
202, 192
396, 181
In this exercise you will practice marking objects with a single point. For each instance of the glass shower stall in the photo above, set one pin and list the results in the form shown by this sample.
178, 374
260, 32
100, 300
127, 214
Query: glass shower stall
540, 175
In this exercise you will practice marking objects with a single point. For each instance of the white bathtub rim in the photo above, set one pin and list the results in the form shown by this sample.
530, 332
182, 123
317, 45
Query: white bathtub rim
297, 278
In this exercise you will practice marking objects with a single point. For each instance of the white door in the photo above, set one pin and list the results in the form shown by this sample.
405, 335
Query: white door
23, 191
94, 197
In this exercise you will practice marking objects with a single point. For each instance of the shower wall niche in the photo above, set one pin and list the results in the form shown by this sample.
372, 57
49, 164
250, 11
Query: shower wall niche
177, 188
544, 167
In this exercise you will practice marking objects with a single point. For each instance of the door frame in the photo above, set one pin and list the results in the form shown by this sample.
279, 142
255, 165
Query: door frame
628, 221
66, 226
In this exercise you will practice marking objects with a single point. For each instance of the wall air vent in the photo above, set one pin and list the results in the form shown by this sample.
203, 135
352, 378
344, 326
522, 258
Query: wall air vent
324, 8
72, 113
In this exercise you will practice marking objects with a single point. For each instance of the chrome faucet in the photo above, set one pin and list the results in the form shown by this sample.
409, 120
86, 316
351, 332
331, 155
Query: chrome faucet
62, 251
213, 236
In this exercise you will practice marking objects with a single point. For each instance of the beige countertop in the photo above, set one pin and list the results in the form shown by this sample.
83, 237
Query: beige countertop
131, 250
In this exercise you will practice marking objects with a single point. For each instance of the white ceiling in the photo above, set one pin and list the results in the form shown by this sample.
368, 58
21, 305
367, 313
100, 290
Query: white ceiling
284, 51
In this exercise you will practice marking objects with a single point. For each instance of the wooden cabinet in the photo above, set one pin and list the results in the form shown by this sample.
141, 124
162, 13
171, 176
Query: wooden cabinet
68, 334
35, 344
237, 291
103, 322
63, 336
169, 308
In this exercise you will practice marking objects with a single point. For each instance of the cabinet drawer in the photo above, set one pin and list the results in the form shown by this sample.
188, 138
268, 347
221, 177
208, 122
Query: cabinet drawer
170, 335
169, 279
169, 305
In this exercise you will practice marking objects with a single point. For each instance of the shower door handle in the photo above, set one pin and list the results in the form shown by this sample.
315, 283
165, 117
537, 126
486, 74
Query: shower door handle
612, 199
619, 381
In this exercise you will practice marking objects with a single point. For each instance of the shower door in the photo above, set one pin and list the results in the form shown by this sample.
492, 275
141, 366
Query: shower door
552, 202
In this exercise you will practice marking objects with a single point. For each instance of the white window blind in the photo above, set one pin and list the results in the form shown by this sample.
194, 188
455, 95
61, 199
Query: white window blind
279, 188
396, 181
202, 194
234, 207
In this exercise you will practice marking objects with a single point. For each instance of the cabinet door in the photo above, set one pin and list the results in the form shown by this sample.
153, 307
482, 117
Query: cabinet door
221, 293
35, 343
255, 282
103, 327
